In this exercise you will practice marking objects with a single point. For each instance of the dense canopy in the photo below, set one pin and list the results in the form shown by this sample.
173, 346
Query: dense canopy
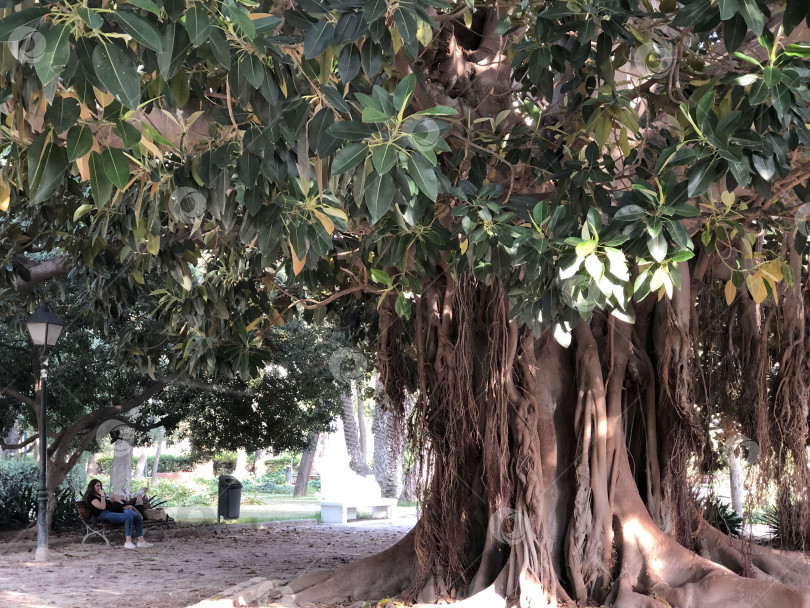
507, 179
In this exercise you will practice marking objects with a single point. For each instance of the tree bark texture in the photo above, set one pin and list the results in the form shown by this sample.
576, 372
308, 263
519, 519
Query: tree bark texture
156, 462
390, 433
357, 462
140, 465
361, 422
121, 473
305, 466
556, 472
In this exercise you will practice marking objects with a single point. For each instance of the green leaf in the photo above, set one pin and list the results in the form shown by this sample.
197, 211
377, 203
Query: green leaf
703, 108
654, 225
26, 18
380, 276
100, 184
402, 306
657, 246
406, 25
349, 157
350, 130
247, 168
752, 15
437, 111
371, 58
728, 8
46, 169
266, 25
374, 9
240, 16
379, 194
374, 115
220, 47
175, 48
81, 211
117, 72
79, 142
251, 66
318, 38
678, 234
63, 113
795, 12
116, 166
349, 63
781, 99
146, 5
335, 99
734, 31
90, 17
423, 175
772, 76
629, 213
198, 24
141, 30
52, 62
701, 177
404, 92
384, 157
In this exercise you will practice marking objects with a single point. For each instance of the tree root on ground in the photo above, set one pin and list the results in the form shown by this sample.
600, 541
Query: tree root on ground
655, 567
382, 575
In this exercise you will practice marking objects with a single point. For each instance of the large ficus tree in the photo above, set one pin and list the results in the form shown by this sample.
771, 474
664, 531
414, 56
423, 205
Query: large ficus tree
584, 222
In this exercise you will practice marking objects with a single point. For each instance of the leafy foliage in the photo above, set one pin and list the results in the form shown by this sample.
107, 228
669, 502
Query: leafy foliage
19, 480
257, 149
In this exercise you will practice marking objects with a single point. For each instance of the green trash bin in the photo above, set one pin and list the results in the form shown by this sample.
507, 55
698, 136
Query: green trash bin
230, 496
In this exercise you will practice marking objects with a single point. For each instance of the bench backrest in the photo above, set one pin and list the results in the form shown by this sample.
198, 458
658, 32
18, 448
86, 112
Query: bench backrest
84, 510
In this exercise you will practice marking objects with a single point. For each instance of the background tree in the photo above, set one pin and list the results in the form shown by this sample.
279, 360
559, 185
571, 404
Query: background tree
292, 397
547, 197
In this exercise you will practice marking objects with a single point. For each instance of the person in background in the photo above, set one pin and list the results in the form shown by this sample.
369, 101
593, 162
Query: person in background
115, 512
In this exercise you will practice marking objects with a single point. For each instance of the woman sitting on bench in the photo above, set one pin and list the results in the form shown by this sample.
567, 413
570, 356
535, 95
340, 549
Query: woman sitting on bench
115, 512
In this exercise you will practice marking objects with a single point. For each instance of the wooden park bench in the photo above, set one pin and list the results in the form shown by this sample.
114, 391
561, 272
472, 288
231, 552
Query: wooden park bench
95, 527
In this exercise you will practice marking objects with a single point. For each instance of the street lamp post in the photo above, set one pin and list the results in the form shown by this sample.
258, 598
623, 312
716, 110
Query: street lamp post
45, 329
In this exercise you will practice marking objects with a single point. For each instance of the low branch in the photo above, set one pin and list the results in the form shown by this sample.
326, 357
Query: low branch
31, 403
93, 418
310, 304
55, 267
17, 446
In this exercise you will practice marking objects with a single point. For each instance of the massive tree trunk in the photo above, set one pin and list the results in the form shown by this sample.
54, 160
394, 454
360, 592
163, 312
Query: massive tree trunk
556, 471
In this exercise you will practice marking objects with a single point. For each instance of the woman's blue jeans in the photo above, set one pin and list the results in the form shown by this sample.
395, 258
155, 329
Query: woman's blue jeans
127, 518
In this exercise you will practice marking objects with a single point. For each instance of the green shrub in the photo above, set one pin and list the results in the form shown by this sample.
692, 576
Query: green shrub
280, 463
19, 480
168, 464
269, 483
224, 463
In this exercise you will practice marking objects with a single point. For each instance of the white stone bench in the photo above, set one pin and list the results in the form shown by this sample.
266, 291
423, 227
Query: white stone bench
340, 512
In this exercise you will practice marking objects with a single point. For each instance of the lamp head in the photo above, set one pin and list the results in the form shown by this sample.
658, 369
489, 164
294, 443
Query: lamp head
44, 326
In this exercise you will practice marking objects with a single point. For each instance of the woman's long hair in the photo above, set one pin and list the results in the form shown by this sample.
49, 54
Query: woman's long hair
90, 493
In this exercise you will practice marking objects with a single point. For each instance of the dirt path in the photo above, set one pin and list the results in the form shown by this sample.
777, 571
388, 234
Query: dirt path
184, 570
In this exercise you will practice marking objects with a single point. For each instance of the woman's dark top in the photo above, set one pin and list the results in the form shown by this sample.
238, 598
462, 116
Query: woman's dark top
114, 507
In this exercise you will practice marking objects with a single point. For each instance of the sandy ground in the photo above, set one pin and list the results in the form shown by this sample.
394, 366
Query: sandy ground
183, 570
